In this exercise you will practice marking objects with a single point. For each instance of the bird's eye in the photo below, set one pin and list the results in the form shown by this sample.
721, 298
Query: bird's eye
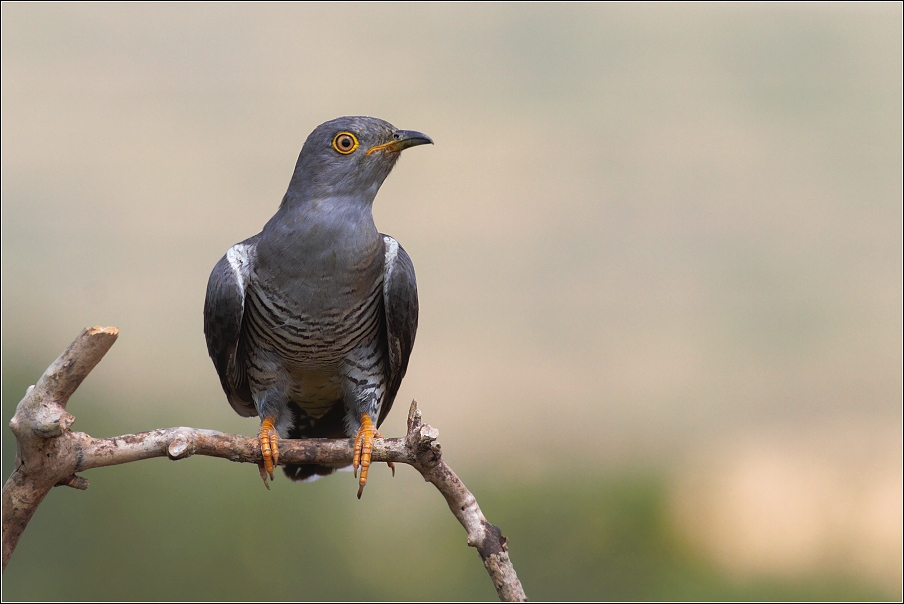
345, 143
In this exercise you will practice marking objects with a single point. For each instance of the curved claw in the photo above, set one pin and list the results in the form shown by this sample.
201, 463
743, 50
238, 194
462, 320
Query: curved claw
263, 471
269, 439
364, 446
388, 463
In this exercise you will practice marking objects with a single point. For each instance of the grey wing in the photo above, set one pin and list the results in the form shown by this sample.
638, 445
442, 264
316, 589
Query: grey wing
223, 311
400, 304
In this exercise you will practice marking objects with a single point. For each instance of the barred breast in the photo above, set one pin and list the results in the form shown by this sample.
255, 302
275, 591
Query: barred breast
316, 353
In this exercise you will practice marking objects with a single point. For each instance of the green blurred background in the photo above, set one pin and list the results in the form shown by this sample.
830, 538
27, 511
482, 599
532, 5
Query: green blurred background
659, 255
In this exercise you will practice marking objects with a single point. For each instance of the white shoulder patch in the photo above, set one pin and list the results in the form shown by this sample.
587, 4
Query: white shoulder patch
392, 250
239, 258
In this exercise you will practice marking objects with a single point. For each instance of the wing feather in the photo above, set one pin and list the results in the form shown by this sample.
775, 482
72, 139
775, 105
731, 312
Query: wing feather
401, 308
223, 311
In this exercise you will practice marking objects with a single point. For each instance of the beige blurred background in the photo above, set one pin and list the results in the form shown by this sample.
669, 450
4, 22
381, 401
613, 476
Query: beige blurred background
651, 241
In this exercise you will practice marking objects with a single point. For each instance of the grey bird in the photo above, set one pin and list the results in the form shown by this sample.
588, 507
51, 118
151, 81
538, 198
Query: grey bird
310, 323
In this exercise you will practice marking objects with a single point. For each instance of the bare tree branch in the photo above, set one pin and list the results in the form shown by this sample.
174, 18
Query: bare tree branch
44, 457
49, 454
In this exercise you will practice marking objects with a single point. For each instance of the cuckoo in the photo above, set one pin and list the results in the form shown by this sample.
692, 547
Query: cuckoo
310, 323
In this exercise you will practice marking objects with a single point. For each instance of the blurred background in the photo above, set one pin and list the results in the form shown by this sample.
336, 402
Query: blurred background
659, 258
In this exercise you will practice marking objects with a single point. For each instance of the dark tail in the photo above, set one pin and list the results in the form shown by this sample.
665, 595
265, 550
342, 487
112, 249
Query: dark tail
308, 471
331, 425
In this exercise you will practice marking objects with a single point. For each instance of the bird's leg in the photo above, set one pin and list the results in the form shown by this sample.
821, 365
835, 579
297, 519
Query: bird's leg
364, 446
269, 439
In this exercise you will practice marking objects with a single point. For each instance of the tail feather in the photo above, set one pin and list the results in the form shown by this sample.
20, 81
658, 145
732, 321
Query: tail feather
331, 425
309, 472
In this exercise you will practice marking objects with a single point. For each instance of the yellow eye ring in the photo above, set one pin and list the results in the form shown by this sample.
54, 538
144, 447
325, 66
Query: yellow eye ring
345, 143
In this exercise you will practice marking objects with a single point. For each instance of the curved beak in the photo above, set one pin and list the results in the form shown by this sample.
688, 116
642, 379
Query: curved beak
401, 140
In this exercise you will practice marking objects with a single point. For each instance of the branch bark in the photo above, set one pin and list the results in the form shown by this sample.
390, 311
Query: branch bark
50, 454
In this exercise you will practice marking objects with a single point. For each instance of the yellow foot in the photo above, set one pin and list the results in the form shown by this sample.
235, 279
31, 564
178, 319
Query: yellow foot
269, 439
364, 446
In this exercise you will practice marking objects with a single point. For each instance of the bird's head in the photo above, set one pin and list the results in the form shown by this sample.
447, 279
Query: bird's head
349, 157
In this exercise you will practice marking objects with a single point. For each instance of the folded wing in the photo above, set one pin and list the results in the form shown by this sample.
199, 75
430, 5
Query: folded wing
400, 304
223, 312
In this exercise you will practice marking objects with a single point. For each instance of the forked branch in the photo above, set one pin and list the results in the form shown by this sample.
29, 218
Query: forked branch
50, 454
